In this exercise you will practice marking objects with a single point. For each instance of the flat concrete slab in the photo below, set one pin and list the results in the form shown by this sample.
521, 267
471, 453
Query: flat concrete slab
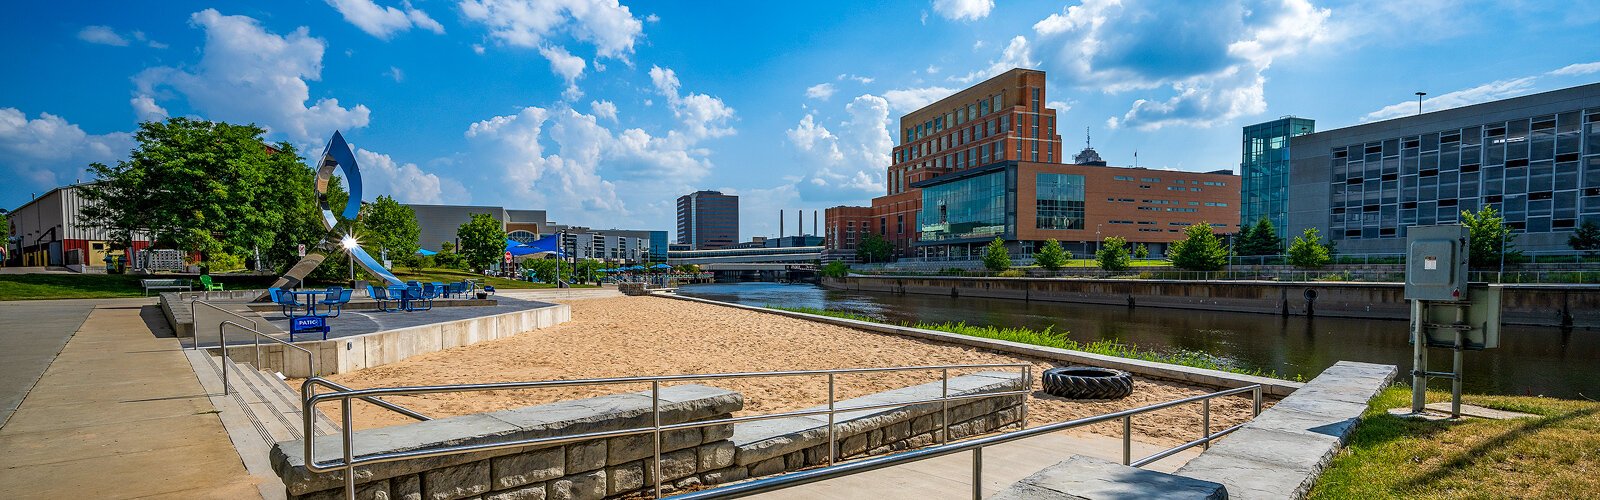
352, 323
951, 476
31, 334
1089, 478
119, 414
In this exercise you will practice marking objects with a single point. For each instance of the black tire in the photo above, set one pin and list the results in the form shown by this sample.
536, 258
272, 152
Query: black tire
1087, 382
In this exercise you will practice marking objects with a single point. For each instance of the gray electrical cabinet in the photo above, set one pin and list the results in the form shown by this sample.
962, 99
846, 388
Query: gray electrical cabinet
1436, 263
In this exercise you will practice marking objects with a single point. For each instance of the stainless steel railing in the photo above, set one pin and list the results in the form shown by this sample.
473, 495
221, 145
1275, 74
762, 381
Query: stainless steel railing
195, 320
222, 346
309, 388
349, 461
976, 447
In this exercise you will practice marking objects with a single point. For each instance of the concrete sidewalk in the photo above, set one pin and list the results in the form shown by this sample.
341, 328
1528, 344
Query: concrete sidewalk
31, 334
119, 414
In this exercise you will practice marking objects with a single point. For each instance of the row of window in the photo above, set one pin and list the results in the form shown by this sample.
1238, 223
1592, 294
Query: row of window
957, 116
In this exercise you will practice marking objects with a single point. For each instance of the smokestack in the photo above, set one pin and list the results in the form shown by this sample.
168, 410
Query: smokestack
814, 223
780, 224
800, 222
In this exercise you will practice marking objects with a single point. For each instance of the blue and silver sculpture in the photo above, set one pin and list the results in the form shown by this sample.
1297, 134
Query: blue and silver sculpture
339, 237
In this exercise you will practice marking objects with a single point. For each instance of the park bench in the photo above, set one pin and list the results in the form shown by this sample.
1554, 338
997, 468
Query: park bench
166, 284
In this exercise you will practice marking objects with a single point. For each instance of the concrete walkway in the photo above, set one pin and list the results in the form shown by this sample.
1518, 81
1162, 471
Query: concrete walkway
950, 476
31, 333
118, 414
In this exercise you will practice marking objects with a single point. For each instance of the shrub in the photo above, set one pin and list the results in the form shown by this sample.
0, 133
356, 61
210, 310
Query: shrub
995, 257
1052, 256
1012, 273
1308, 251
835, 269
1113, 254
1200, 250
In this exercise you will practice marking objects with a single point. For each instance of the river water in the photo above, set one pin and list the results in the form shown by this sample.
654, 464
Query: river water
1531, 360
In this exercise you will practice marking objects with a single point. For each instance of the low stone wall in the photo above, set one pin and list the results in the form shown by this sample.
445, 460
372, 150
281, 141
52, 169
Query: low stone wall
375, 349
599, 468
768, 447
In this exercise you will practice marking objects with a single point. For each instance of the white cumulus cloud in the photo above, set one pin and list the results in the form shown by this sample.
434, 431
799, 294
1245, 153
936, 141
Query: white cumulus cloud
820, 91
103, 35
248, 74
1578, 69
48, 151
849, 165
567, 66
604, 109
610, 26
908, 100
147, 109
703, 115
384, 22
405, 182
968, 10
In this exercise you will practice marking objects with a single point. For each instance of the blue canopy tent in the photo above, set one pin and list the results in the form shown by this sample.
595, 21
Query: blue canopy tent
426, 252
547, 244
661, 266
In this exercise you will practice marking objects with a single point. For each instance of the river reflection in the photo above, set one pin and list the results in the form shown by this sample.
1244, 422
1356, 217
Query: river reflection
1530, 361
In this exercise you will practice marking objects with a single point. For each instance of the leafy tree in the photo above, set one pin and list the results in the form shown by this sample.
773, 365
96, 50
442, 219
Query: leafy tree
389, 226
1262, 239
1309, 251
1586, 239
873, 248
483, 241
835, 269
995, 257
448, 258
1490, 238
207, 187
1200, 250
1140, 252
1113, 254
1052, 256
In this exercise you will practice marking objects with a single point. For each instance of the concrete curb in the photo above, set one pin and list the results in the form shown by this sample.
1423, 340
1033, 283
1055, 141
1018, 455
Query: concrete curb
1178, 373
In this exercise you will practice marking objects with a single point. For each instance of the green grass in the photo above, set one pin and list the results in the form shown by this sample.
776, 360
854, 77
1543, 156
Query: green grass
1050, 338
47, 286
1556, 455
453, 275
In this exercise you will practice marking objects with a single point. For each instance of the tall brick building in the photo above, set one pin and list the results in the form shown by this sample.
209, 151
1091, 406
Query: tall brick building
987, 162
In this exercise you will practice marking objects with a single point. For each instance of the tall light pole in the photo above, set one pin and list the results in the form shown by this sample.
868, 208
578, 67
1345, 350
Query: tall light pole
1419, 101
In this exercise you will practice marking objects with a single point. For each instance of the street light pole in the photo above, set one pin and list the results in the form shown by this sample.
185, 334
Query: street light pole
1419, 101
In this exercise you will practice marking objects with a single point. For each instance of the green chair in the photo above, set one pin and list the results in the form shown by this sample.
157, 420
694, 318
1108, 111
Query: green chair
205, 280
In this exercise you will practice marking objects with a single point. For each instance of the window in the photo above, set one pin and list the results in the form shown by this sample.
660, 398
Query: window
974, 207
1059, 201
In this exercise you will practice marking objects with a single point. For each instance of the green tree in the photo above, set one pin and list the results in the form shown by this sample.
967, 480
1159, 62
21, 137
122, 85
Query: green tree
873, 248
1586, 239
1052, 256
1113, 254
483, 241
1490, 238
447, 257
389, 226
207, 187
1140, 252
1200, 250
1308, 250
835, 269
1259, 239
1244, 240
995, 257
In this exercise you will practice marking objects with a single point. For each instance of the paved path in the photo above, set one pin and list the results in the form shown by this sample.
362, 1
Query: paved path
31, 333
119, 414
950, 476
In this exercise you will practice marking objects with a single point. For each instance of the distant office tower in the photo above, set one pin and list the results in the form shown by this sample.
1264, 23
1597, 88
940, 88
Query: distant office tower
1264, 171
708, 220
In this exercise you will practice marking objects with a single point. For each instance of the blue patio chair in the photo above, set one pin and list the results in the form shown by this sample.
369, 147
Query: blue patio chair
414, 297
381, 296
285, 301
337, 298
432, 290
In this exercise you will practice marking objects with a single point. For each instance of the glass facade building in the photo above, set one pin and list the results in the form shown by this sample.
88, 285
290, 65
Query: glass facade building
1264, 170
970, 208
1542, 172
1059, 203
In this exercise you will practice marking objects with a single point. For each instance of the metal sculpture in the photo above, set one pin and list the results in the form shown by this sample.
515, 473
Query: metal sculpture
340, 235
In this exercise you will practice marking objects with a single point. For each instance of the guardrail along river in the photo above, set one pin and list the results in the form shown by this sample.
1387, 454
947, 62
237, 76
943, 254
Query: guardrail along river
1531, 360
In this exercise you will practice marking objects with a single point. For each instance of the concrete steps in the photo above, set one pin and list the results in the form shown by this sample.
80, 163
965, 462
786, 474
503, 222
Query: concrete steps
269, 406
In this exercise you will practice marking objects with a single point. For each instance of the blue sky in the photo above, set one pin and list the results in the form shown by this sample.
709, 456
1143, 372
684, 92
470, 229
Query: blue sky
604, 112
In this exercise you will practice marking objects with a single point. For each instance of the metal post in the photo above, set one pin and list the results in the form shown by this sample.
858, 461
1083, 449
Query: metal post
977, 473
1419, 358
655, 415
1205, 423
944, 403
833, 449
1256, 395
1027, 384
349, 450
1455, 383
222, 345
1127, 440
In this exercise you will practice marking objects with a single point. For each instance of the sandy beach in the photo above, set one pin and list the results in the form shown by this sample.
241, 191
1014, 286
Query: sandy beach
637, 336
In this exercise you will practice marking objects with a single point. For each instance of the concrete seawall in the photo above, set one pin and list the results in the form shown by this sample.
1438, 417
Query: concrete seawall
1537, 305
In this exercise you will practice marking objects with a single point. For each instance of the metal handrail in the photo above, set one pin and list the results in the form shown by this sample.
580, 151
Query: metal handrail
308, 389
976, 446
195, 319
350, 461
222, 345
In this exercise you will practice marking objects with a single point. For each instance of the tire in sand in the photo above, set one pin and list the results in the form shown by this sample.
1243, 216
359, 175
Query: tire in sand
1087, 382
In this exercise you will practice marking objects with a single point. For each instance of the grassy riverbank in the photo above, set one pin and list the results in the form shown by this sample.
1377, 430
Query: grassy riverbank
1556, 455
1051, 338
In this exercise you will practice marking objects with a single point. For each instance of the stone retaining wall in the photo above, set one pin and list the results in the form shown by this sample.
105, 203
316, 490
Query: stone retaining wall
599, 468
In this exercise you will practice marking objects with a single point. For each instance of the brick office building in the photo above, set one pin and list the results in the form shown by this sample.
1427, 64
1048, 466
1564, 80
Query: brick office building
999, 133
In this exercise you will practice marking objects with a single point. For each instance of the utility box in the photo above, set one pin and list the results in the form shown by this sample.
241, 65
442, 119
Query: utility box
1480, 325
1436, 263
